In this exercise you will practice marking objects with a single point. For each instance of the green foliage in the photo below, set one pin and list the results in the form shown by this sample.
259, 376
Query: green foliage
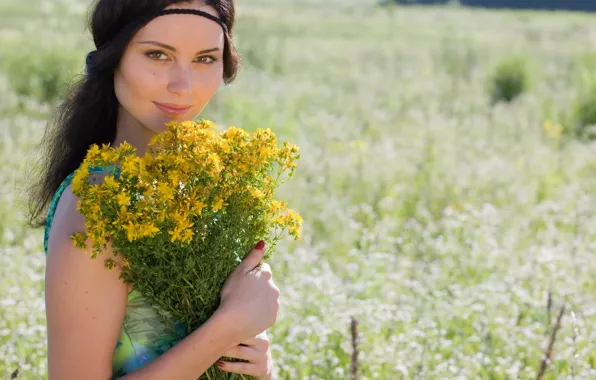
509, 79
580, 118
257, 53
41, 73
458, 57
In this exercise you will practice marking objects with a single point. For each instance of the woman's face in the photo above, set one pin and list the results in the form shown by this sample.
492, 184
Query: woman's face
170, 70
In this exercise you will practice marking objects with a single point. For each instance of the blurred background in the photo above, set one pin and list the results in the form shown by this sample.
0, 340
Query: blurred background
573, 5
447, 181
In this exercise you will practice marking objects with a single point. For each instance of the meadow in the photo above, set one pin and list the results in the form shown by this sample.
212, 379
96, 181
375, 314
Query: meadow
445, 233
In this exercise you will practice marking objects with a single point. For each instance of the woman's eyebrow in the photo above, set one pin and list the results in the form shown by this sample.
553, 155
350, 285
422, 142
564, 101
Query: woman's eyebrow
173, 49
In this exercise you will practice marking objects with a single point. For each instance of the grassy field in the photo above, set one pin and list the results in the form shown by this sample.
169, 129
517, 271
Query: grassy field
442, 223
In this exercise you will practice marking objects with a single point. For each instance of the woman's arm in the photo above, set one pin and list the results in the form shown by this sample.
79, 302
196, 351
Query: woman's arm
190, 358
85, 306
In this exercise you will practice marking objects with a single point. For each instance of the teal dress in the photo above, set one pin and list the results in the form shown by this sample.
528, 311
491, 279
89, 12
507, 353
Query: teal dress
143, 337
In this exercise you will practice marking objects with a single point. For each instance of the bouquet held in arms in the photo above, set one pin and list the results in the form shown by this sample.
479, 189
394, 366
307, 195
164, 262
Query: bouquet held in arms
186, 213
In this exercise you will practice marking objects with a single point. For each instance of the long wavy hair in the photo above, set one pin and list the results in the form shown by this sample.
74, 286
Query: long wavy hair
89, 112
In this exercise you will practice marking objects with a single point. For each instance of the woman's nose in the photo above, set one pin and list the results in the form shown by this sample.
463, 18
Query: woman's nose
180, 80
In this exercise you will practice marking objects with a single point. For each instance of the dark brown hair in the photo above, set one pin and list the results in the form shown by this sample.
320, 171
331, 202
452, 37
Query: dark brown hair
89, 112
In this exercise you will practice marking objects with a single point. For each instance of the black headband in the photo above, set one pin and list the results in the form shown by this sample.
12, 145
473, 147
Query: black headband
186, 11
145, 20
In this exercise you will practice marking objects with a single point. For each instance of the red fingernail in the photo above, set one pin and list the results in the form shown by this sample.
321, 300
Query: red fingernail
260, 245
220, 363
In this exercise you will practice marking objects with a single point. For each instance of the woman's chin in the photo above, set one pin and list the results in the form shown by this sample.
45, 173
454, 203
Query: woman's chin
160, 126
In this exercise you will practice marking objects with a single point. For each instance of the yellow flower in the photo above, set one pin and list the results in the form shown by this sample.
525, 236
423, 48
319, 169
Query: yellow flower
176, 234
123, 199
219, 204
256, 193
234, 133
99, 227
94, 209
181, 220
166, 192
148, 230
174, 176
79, 239
224, 146
147, 160
161, 215
215, 161
98, 238
294, 221
111, 264
125, 264
243, 167
148, 191
130, 165
187, 124
131, 231
199, 206
276, 205
293, 148
81, 176
552, 130
295, 231
93, 152
125, 147
187, 235
110, 182
177, 217
108, 155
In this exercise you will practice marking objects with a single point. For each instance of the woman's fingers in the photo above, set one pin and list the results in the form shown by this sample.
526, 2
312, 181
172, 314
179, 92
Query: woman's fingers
255, 351
261, 342
251, 369
246, 353
253, 258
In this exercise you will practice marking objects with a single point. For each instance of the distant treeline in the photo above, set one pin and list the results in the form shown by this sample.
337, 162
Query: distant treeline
571, 5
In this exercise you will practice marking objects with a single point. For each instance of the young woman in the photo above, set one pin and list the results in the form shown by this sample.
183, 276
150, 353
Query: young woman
156, 61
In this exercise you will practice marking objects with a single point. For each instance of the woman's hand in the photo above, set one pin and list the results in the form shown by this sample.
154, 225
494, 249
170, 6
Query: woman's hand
258, 355
249, 298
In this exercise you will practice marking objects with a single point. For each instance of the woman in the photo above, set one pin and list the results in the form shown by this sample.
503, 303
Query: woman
156, 61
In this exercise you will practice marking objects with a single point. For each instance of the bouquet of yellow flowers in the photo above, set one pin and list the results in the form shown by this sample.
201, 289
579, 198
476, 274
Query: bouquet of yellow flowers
187, 212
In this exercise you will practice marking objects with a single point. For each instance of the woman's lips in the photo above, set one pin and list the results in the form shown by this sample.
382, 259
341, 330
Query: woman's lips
172, 109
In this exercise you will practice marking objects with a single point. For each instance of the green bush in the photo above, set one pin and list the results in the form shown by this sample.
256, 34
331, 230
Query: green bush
41, 73
581, 117
582, 69
581, 122
509, 79
578, 118
457, 57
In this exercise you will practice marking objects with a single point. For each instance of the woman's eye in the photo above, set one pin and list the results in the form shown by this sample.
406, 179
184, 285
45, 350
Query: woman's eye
156, 55
207, 59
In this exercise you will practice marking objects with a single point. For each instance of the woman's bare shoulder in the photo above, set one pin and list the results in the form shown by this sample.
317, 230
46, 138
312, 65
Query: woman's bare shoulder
85, 301
67, 220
